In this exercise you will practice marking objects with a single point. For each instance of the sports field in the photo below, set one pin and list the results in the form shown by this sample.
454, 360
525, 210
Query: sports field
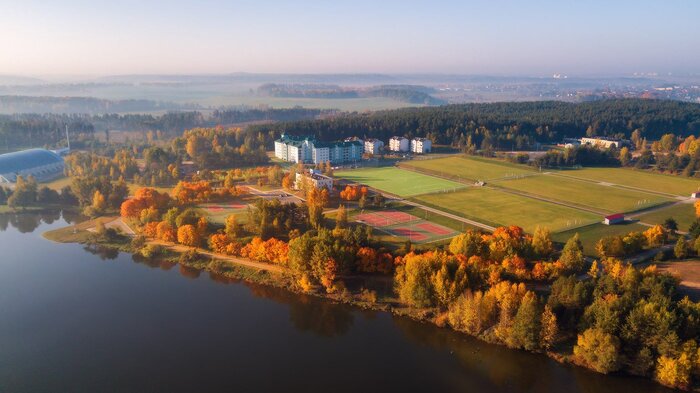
498, 208
606, 199
468, 168
676, 185
406, 226
398, 181
683, 213
217, 212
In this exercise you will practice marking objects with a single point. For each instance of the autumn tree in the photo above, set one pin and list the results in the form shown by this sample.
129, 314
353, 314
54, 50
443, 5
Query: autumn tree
232, 229
681, 249
187, 235
571, 259
526, 328
542, 242
597, 350
550, 329
655, 236
341, 217
24, 193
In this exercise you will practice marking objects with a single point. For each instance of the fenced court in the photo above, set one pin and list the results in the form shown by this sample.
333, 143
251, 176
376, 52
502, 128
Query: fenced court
407, 226
217, 212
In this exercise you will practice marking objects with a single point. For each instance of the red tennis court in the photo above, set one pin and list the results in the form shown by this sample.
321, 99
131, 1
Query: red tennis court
410, 234
433, 228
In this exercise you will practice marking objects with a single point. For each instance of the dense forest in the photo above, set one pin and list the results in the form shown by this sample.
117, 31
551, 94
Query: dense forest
510, 125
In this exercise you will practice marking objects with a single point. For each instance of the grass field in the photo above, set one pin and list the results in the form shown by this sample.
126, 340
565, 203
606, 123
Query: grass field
590, 235
57, 184
581, 193
468, 168
497, 208
217, 212
398, 181
676, 185
683, 213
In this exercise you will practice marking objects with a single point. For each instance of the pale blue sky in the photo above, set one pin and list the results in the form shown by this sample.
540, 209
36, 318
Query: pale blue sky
466, 37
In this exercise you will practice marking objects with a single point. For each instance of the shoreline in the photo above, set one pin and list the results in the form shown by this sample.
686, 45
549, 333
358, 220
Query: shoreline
225, 267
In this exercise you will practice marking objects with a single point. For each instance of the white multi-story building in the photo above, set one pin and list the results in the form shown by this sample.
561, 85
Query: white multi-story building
308, 150
398, 143
314, 178
421, 145
373, 146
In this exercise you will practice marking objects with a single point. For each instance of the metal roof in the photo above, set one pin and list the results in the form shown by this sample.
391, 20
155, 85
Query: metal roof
27, 159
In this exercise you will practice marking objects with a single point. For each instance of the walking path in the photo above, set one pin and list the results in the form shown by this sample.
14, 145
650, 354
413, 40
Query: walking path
239, 261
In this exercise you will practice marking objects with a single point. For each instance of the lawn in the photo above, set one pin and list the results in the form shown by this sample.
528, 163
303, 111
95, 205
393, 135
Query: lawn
217, 212
590, 235
498, 208
605, 199
468, 168
398, 181
58, 184
676, 185
683, 213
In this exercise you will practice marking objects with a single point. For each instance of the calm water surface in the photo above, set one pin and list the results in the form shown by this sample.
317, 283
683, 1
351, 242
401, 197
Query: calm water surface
77, 320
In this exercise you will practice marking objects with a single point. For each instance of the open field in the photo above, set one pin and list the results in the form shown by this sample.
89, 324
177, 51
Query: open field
683, 213
590, 235
468, 168
498, 208
57, 184
676, 185
689, 273
398, 181
588, 195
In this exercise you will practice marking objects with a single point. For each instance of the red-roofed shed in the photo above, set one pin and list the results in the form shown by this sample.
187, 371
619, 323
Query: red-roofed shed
614, 219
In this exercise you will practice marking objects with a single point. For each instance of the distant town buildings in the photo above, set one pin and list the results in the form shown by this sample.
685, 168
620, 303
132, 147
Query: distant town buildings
373, 146
306, 149
420, 145
313, 178
605, 142
399, 144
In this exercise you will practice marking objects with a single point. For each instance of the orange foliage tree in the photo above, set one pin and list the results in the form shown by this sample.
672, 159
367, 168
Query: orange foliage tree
188, 236
192, 192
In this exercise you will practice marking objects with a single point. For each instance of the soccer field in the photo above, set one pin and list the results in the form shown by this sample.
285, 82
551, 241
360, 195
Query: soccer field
498, 208
468, 168
606, 199
398, 181
676, 185
683, 213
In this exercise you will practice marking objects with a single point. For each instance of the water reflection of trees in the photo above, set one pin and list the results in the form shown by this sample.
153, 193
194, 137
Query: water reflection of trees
497, 368
104, 253
153, 262
307, 313
30, 221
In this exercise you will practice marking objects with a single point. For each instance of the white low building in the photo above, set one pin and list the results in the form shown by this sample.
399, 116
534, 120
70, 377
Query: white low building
421, 145
313, 178
398, 143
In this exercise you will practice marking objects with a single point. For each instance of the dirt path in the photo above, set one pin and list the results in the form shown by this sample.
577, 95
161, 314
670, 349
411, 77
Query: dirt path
238, 261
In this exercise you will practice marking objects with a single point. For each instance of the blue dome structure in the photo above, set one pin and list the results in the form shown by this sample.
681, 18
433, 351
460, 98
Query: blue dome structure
42, 164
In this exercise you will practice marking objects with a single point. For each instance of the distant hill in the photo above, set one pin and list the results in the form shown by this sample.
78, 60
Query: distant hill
85, 105
405, 93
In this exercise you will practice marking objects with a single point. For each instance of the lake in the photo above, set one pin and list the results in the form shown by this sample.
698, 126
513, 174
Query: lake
81, 320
